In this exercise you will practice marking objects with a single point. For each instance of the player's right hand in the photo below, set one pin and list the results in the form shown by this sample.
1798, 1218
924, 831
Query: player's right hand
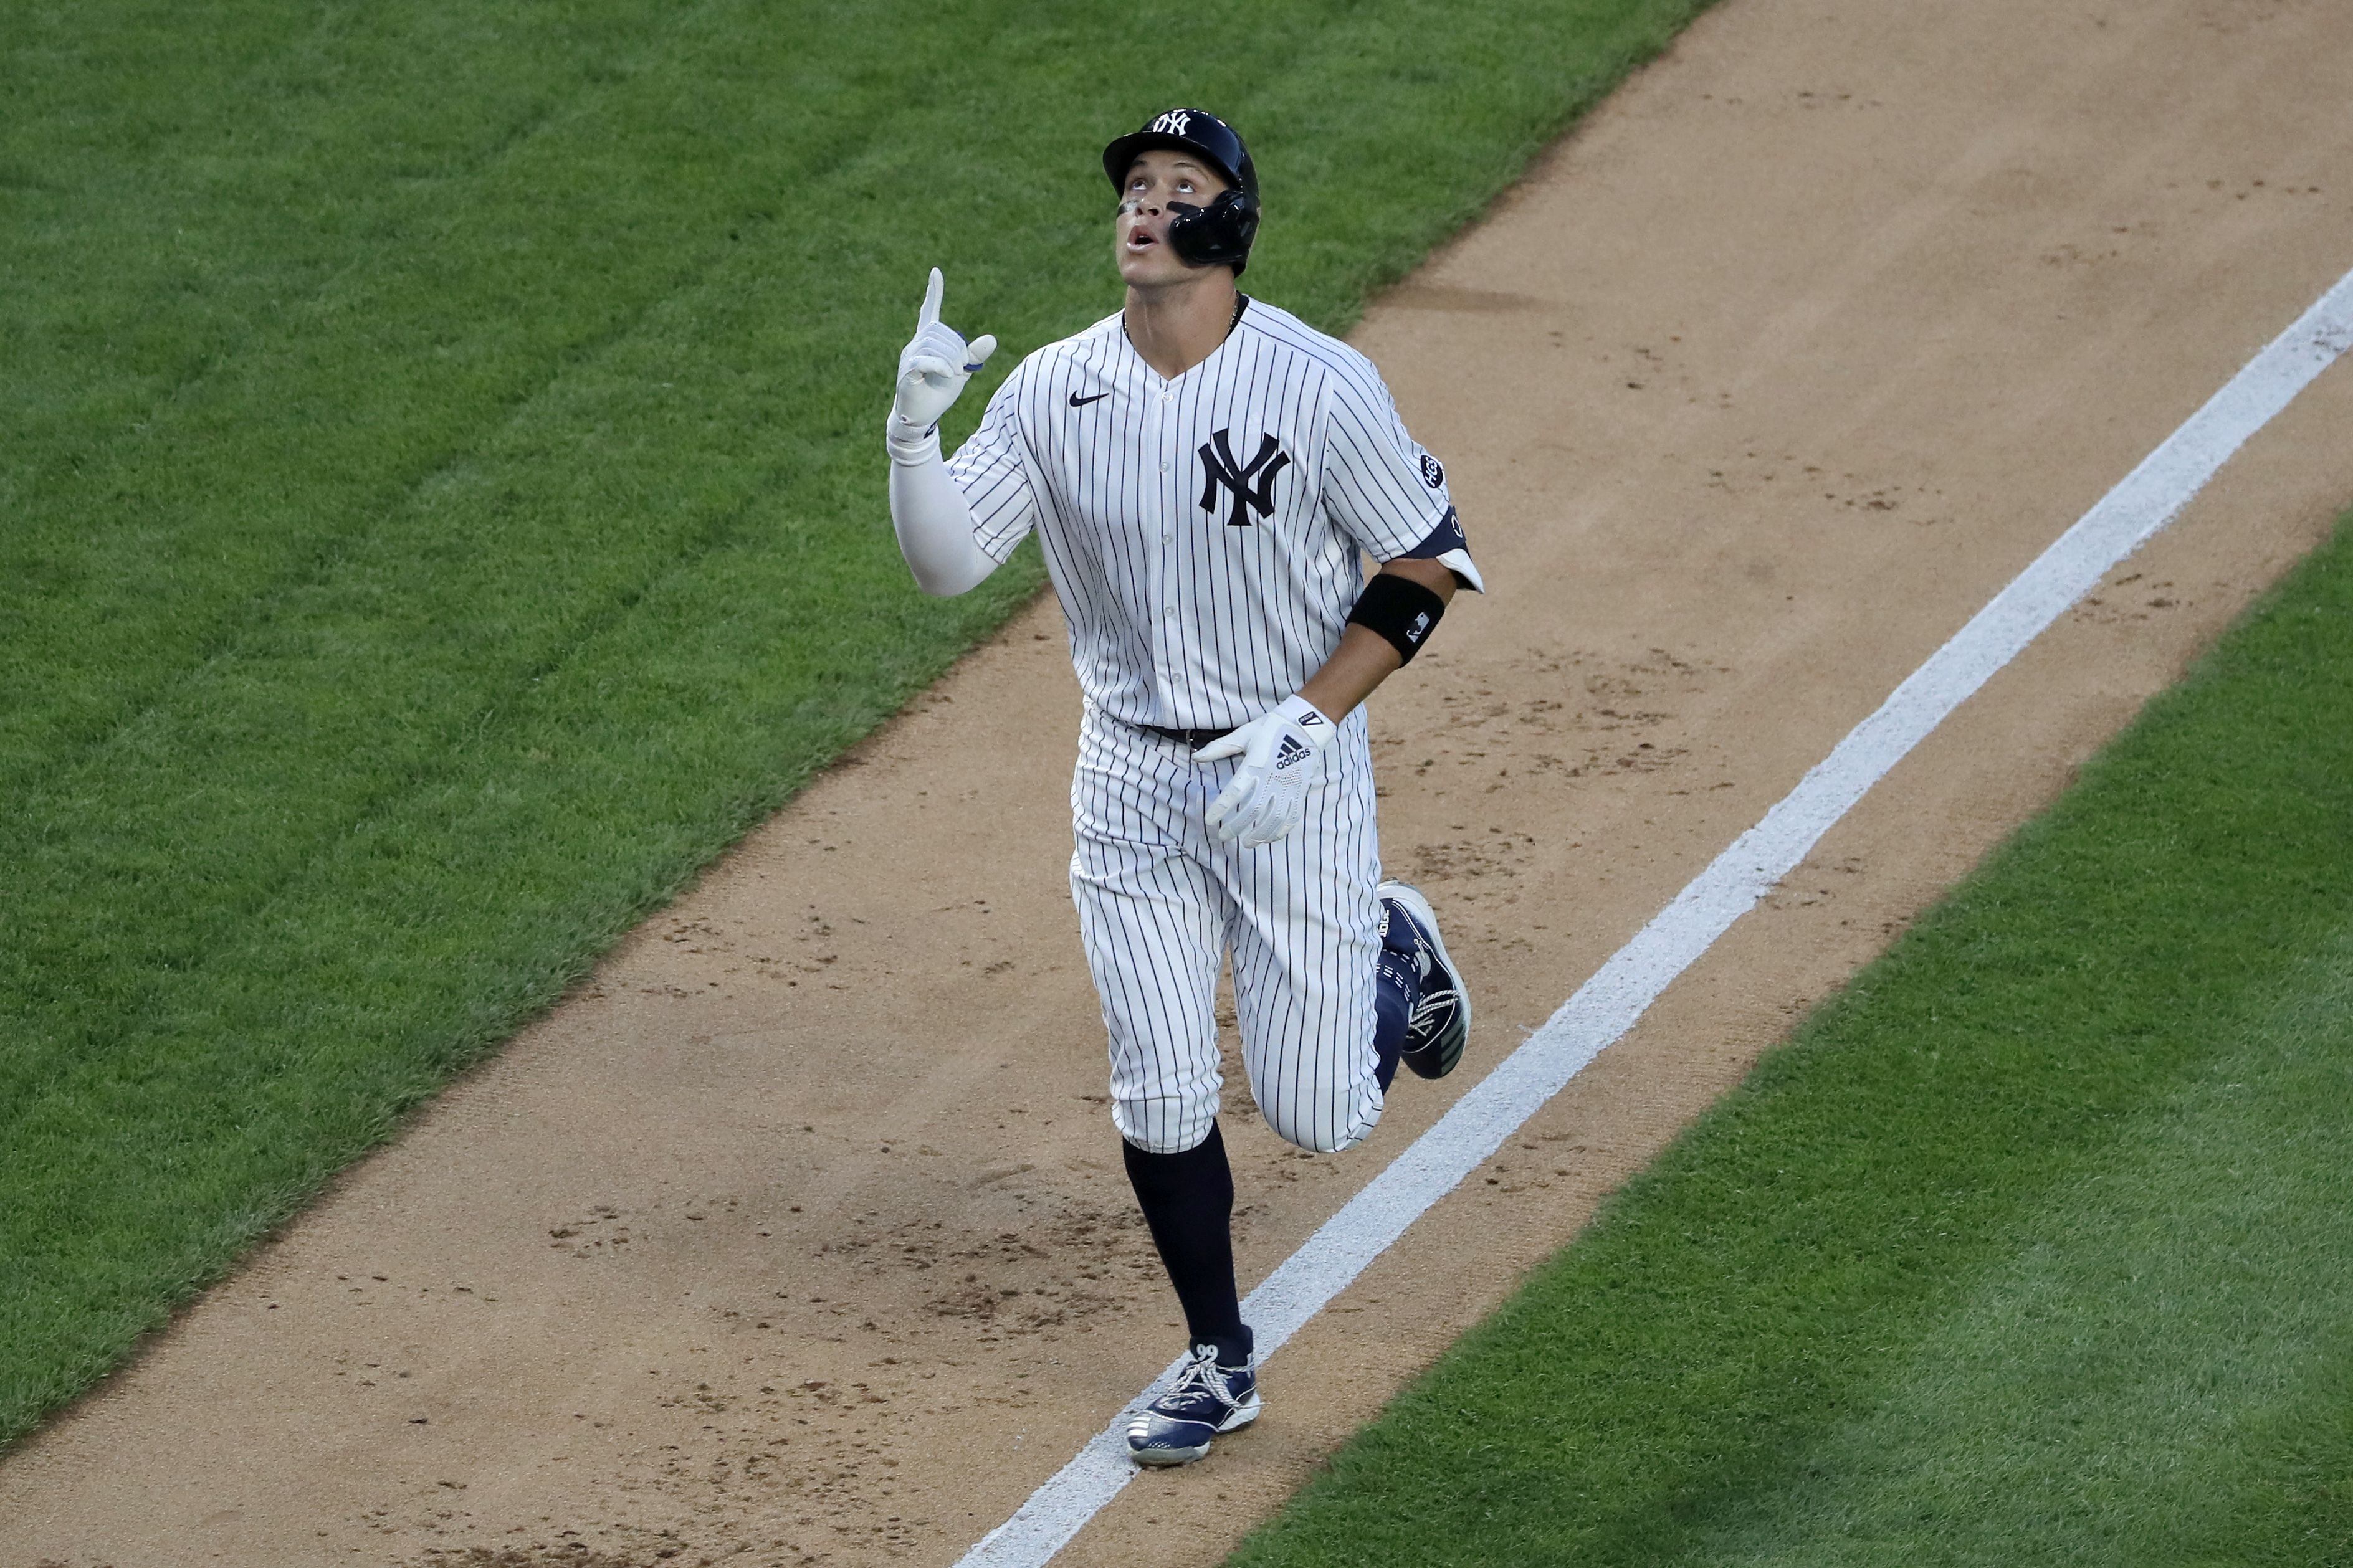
935, 365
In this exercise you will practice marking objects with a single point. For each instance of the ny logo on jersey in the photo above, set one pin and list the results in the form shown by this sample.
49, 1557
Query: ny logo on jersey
1218, 470
1173, 123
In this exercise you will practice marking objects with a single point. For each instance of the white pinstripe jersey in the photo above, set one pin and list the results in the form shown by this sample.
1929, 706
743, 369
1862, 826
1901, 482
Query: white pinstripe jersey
1203, 534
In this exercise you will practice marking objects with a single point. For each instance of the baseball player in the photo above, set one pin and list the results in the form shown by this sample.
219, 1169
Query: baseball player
1206, 474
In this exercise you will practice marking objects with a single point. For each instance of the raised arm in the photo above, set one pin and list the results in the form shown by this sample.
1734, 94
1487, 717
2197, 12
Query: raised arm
934, 524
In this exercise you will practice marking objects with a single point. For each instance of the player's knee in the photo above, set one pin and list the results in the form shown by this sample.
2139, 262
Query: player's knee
1323, 1128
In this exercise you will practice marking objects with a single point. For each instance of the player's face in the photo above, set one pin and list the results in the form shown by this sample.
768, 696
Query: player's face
1140, 231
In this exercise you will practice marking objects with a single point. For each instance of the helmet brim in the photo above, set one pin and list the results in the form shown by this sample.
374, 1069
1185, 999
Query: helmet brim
1232, 165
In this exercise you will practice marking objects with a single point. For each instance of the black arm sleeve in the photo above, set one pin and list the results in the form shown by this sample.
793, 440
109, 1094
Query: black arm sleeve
1402, 611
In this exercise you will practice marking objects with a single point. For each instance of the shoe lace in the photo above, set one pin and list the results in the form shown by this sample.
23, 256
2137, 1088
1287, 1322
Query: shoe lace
1430, 1009
1200, 1374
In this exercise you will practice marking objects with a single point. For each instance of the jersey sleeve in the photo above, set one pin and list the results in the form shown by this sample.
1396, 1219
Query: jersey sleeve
1381, 487
992, 471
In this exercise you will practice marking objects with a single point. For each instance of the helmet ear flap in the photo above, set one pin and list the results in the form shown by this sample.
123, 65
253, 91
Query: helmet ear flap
1218, 234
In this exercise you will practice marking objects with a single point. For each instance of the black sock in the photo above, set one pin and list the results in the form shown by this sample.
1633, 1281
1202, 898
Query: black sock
1188, 1201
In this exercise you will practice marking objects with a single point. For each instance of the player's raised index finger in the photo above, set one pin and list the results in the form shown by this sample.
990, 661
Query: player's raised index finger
930, 314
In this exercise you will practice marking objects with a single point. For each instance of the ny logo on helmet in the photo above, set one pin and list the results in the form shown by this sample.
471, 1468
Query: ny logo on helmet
1251, 484
1174, 122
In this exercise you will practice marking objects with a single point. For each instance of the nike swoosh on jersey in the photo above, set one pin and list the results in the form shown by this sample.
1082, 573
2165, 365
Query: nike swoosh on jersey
1078, 402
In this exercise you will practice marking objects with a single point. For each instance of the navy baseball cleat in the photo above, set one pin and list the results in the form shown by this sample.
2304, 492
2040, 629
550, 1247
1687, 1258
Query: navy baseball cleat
1207, 1401
1440, 1023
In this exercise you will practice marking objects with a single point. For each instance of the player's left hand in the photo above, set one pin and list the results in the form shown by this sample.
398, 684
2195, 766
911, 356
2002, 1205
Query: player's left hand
1282, 752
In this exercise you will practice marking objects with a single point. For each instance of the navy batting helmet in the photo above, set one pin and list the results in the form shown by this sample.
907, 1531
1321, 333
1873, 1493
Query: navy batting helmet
1217, 234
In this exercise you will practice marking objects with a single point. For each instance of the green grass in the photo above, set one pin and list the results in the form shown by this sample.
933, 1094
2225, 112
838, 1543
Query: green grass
443, 505
2035, 1246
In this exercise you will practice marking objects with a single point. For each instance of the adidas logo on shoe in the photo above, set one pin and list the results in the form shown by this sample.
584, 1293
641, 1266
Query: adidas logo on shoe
1205, 1402
1440, 1025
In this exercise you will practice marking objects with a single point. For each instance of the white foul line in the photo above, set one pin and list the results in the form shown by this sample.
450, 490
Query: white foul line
1606, 1006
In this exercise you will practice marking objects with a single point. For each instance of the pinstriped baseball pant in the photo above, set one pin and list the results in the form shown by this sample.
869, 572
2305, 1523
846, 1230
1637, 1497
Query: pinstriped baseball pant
1160, 905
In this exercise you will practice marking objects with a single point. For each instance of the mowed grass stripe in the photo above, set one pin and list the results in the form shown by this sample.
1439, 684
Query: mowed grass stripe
449, 511
2150, 1369
549, 236
180, 178
1883, 1301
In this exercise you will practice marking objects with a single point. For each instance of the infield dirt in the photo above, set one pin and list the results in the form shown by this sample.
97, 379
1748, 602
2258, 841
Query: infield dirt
800, 1234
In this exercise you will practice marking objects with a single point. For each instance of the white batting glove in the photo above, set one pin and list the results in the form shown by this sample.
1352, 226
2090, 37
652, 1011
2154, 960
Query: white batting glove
932, 369
1282, 752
